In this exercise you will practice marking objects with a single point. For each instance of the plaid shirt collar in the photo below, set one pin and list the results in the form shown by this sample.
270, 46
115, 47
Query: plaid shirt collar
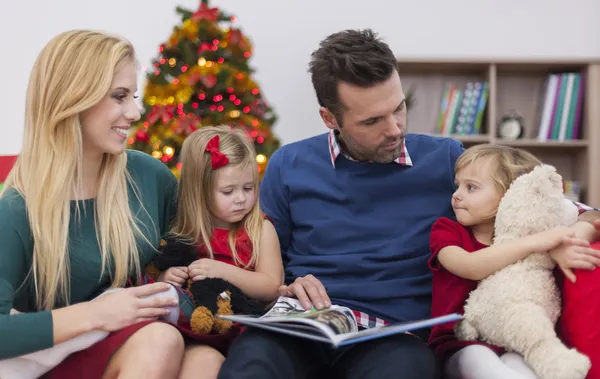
335, 150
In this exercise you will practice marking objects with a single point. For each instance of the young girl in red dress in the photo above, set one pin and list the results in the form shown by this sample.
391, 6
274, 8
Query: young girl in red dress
462, 254
219, 213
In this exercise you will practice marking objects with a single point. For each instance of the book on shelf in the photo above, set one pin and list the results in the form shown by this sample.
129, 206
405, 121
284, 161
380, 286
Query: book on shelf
335, 325
572, 190
462, 109
562, 107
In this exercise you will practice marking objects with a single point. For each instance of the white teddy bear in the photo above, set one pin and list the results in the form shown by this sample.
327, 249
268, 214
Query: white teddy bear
518, 306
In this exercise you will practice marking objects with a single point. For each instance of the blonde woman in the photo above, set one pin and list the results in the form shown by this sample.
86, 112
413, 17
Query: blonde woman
80, 214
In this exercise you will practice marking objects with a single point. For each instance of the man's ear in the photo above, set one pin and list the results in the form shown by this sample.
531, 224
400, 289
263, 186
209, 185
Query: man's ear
328, 118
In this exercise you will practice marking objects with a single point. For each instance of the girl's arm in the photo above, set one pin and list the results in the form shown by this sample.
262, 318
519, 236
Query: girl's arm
264, 282
480, 264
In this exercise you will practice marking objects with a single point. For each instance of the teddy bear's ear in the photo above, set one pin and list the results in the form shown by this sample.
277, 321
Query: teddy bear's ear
533, 203
541, 181
175, 252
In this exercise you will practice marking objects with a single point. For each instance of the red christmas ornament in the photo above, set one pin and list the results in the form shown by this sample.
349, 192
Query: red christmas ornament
142, 136
209, 80
204, 46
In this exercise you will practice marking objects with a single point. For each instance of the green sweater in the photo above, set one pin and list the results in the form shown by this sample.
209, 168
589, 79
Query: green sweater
25, 333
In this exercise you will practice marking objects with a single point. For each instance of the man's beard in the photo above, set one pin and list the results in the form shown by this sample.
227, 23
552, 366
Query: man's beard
375, 155
382, 156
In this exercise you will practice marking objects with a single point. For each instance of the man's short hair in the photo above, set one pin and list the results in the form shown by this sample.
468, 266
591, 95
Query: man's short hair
357, 57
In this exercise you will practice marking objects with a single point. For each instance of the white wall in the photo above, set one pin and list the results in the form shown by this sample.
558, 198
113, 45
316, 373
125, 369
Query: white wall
284, 32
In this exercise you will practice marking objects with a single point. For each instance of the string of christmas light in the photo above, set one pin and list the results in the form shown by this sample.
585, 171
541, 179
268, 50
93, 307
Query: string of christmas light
201, 77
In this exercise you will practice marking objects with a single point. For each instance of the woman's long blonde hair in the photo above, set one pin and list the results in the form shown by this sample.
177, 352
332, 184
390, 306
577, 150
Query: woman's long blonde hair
194, 219
73, 72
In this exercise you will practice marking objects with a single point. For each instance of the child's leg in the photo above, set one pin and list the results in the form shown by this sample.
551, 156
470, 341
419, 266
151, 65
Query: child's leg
479, 362
517, 363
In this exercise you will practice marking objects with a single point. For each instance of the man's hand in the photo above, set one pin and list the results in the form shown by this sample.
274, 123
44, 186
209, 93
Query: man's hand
309, 290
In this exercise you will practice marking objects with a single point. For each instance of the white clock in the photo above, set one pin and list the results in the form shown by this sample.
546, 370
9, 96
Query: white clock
511, 127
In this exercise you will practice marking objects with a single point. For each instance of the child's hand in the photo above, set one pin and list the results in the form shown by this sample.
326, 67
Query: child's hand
174, 275
569, 256
206, 268
545, 241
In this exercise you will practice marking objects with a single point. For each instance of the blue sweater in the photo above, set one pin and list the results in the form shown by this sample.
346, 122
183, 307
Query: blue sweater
361, 228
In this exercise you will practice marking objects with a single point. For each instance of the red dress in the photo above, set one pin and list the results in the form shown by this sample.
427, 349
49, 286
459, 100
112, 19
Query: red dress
450, 292
92, 362
221, 250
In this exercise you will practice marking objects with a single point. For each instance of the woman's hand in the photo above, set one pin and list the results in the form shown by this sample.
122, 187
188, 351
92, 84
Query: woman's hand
121, 308
207, 268
174, 275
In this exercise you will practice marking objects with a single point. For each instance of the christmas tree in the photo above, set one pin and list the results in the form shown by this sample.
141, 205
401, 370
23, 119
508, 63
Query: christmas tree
201, 77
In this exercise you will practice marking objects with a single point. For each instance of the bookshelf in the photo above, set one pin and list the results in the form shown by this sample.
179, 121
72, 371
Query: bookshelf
513, 86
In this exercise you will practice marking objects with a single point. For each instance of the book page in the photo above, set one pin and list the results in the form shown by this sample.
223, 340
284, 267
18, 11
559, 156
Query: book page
285, 307
288, 313
339, 320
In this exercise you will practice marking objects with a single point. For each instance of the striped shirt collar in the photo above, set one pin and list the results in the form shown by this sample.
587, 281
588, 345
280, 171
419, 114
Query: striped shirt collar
335, 150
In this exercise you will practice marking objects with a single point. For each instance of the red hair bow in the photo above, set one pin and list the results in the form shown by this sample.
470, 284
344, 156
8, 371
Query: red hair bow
218, 159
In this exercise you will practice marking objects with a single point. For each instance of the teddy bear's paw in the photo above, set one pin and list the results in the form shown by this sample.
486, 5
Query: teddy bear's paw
202, 321
223, 308
465, 331
222, 326
559, 362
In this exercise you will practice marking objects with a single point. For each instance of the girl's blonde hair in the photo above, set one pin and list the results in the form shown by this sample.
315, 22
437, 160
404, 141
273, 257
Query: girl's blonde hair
507, 163
73, 72
194, 218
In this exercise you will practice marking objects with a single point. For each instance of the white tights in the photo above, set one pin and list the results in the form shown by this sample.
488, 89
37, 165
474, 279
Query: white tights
480, 362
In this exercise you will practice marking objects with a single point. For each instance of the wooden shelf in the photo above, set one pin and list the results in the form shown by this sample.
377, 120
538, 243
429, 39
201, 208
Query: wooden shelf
514, 85
543, 144
528, 142
469, 139
474, 138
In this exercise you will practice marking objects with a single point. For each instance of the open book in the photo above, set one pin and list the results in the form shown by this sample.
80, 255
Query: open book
335, 325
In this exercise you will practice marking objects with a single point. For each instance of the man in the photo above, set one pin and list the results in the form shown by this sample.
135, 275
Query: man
353, 209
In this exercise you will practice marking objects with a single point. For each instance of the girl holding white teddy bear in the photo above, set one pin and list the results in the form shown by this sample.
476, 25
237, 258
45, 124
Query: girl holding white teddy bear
462, 255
